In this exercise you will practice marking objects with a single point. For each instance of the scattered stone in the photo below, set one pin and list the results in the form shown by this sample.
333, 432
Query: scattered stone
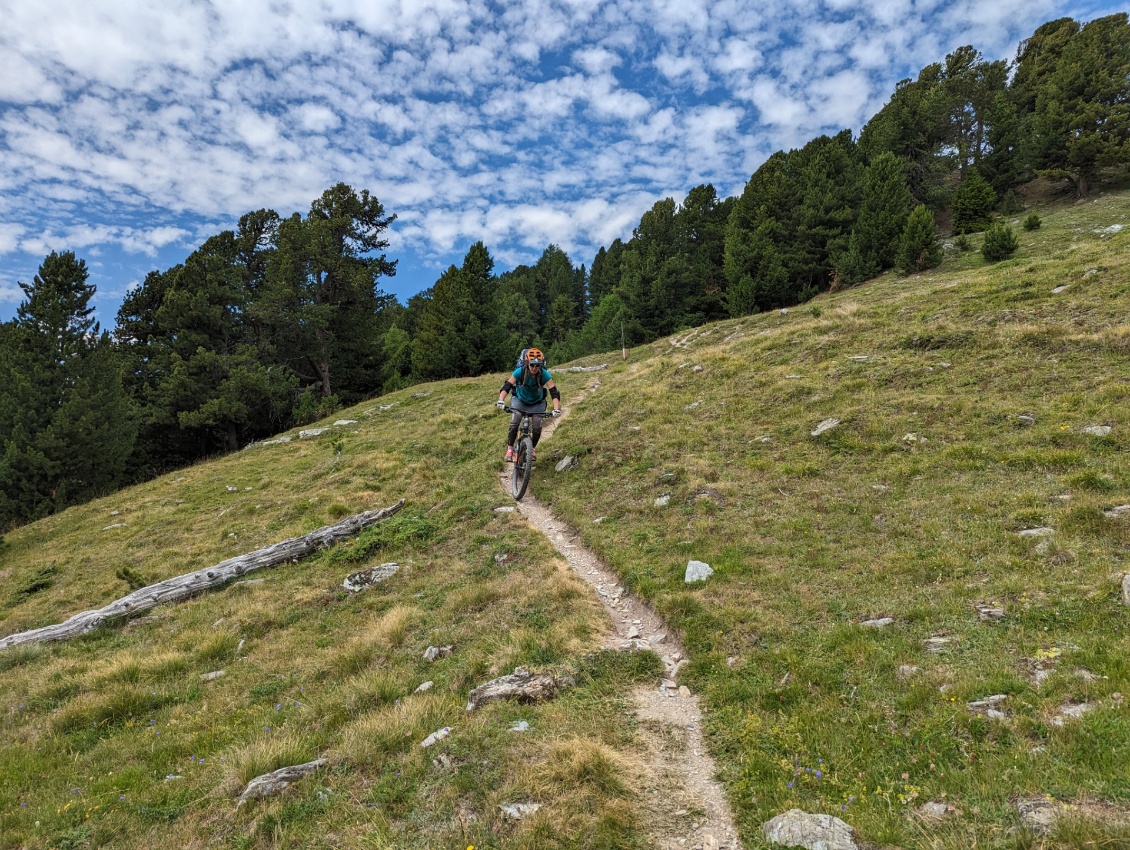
907, 670
587, 368
861, 358
521, 685
697, 571
270, 784
662, 501
424, 687
937, 644
567, 463
633, 633
343, 422
692, 405
172, 777
989, 613
365, 579
1115, 513
1097, 430
505, 509
517, 811
826, 425
1026, 419
1071, 711
421, 395
880, 623
311, 432
684, 692
933, 810
115, 525
1060, 289
436, 736
275, 441
986, 703
1042, 531
213, 676
1038, 816
598, 520
434, 652
796, 828
520, 726
1126, 589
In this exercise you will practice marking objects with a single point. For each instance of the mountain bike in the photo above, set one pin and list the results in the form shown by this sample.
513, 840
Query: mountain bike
523, 453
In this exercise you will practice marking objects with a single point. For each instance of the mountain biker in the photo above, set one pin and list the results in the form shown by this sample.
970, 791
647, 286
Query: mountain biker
531, 383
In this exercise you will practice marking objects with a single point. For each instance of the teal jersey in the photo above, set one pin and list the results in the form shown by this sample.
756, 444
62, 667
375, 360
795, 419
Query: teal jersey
530, 391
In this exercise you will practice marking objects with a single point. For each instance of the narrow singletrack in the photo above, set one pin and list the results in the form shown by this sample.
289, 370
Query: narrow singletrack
687, 808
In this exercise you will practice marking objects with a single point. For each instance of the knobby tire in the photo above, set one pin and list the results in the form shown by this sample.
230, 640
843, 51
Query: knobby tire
522, 465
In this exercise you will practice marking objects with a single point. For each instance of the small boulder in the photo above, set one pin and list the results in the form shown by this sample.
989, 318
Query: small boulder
521, 685
697, 571
826, 425
365, 579
796, 828
567, 463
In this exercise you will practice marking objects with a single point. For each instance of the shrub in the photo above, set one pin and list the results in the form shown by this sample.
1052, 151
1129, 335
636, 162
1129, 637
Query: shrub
1011, 203
1032, 222
973, 204
920, 248
1000, 243
963, 243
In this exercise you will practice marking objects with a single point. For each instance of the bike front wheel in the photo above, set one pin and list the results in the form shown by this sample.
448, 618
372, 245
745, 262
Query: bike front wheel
522, 463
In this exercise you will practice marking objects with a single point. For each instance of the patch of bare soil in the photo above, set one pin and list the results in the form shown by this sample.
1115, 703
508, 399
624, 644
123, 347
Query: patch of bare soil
687, 808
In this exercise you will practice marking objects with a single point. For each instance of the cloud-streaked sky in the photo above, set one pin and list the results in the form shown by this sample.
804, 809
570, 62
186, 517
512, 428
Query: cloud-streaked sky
131, 130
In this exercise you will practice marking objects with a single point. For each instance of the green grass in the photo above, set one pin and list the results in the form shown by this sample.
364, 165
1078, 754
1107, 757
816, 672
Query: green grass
962, 396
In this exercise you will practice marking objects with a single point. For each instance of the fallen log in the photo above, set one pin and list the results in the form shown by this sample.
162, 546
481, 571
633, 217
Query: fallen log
182, 587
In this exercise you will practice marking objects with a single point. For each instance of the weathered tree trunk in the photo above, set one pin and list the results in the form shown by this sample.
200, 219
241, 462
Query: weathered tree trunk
270, 784
183, 587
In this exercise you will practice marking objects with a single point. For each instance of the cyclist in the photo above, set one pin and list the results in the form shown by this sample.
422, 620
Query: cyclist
531, 383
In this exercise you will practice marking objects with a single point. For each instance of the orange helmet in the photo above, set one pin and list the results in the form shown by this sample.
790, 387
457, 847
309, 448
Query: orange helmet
535, 357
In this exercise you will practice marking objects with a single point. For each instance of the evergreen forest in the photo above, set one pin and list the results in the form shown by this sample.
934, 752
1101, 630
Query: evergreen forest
283, 320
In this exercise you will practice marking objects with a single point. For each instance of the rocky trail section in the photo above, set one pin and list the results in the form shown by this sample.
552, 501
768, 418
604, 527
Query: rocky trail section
688, 809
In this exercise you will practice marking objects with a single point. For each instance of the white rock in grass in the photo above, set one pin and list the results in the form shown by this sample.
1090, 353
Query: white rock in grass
933, 810
365, 579
520, 726
211, 677
1042, 531
662, 501
826, 425
796, 828
1115, 513
436, 736
310, 432
880, 623
342, 422
424, 686
569, 462
1097, 430
1126, 589
697, 571
517, 811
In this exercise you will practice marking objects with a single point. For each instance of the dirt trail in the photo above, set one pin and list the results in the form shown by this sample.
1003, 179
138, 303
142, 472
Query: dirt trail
687, 807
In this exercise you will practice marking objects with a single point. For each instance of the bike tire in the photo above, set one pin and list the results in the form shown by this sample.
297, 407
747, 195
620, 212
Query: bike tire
522, 466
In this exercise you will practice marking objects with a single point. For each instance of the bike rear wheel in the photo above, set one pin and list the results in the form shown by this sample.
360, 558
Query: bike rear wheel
522, 465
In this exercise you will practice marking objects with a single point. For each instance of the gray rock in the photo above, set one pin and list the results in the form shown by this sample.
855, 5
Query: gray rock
826, 425
521, 685
342, 422
424, 687
907, 670
1026, 419
311, 432
880, 623
434, 652
987, 702
662, 501
697, 571
363, 580
1038, 816
933, 810
989, 613
272, 783
436, 736
517, 811
796, 828
520, 726
213, 676
567, 463
1042, 531
1126, 589
1115, 513
1097, 430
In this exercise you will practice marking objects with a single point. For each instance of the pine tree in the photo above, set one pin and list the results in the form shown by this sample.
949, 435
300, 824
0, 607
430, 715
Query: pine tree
920, 248
973, 203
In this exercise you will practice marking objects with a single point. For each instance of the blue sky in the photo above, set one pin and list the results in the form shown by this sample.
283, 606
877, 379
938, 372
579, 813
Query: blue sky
131, 130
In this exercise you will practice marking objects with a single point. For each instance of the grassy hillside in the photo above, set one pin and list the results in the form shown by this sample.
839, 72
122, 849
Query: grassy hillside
962, 397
